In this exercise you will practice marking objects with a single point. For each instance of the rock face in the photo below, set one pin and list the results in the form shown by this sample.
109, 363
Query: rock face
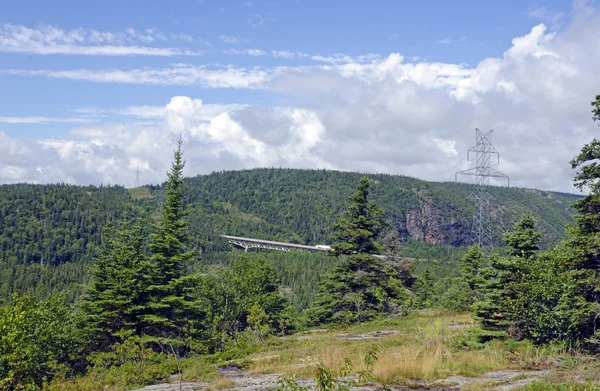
433, 224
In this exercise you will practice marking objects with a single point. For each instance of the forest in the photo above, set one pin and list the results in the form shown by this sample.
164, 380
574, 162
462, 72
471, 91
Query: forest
49, 234
105, 288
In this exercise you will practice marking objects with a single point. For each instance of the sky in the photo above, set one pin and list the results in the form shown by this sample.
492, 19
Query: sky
92, 92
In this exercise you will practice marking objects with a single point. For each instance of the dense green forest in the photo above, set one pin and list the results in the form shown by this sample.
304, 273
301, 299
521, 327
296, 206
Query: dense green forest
49, 233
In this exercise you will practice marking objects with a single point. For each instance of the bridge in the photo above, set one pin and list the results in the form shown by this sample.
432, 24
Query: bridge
249, 243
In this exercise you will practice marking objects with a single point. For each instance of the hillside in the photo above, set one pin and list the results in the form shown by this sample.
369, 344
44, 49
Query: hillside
302, 205
48, 233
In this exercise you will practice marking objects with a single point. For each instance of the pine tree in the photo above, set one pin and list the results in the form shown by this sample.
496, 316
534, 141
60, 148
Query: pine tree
525, 240
583, 242
173, 316
466, 289
423, 288
496, 309
115, 297
356, 231
470, 268
362, 286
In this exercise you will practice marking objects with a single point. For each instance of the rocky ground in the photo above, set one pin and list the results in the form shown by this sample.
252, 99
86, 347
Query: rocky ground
499, 380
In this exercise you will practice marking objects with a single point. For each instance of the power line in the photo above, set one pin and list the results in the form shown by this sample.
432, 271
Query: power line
552, 139
542, 154
541, 165
448, 169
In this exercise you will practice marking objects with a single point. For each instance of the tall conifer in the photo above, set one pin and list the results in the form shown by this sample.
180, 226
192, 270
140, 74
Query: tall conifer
115, 297
362, 286
172, 313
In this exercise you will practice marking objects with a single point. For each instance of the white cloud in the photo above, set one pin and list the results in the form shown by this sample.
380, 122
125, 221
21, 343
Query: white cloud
258, 20
228, 39
223, 77
42, 120
447, 41
545, 14
249, 52
47, 40
382, 115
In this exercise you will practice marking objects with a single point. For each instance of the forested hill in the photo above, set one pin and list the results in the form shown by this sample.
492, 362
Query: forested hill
49, 232
301, 206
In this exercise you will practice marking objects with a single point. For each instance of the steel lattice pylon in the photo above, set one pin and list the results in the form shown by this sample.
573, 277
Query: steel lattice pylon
482, 219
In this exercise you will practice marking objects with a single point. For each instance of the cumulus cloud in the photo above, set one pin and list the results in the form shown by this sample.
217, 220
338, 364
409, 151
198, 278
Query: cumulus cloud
47, 39
382, 115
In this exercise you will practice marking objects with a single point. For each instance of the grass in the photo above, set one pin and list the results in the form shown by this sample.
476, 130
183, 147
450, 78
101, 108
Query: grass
419, 348
220, 382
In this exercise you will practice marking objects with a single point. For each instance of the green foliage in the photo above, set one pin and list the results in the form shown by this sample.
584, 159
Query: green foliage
470, 268
361, 287
36, 342
423, 289
524, 240
465, 290
128, 364
49, 233
497, 308
327, 379
357, 230
596, 109
570, 386
245, 295
115, 299
554, 296
172, 316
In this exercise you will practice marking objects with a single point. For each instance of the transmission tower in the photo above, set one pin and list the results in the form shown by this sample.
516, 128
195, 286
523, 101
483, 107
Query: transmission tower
483, 200
137, 177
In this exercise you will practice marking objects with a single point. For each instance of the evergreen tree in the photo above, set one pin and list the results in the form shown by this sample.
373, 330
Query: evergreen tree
173, 315
583, 242
470, 268
356, 231
423, 288
362, 286
525, 240
115, 298
559, 292
465, 290
496, 310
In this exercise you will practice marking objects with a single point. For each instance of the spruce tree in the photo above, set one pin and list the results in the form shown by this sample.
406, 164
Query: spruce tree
470, 267
115, 298
583, 242
173, 314
466, 288
362, 286
497, 309
525, 240
423, 288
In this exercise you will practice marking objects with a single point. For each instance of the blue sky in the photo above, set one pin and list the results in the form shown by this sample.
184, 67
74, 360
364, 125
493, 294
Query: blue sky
242, 76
